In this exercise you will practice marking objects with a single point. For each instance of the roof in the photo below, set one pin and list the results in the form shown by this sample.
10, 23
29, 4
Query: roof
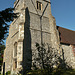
66, 36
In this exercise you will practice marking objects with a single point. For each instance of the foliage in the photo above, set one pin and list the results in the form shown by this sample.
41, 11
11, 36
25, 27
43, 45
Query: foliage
64, 72
54, 72
2, 47
6, 16
47, 59
38, 72
7, 73
46, 56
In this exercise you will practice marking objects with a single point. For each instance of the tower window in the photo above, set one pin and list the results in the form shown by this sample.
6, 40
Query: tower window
14, 64
15, 49
39, 5
15, 56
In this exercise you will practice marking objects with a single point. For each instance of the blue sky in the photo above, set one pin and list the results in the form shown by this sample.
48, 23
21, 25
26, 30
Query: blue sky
62, 10
6, 4
64, 13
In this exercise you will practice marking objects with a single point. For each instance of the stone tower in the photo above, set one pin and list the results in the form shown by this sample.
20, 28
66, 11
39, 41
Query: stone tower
35, 23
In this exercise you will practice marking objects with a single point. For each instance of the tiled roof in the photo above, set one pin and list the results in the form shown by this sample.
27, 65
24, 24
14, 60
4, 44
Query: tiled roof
66, 36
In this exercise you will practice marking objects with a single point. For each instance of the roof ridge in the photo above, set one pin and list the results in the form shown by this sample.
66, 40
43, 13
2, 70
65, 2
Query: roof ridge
66, 28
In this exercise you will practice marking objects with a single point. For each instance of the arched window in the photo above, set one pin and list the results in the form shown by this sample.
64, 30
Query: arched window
15, 49
14, 64
15, 56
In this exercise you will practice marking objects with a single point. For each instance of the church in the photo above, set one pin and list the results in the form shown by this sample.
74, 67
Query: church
35, 23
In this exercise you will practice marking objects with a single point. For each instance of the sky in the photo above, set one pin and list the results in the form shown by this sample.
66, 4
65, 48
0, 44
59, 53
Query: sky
6, 4
64, 13
62, 10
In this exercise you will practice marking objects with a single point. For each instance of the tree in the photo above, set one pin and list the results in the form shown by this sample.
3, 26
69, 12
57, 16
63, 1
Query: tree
47, 58
6, 16
2, 47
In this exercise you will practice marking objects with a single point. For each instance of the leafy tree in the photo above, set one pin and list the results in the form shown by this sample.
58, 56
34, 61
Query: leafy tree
6, 16
2, 47
48, 58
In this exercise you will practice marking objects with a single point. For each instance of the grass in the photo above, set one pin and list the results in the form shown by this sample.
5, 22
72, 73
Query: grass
54, 72
64, 72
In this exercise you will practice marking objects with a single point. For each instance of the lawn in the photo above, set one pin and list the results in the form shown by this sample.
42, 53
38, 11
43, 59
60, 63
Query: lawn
54, 72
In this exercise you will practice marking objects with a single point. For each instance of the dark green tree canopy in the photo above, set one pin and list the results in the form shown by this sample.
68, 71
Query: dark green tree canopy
2, 47
6, 16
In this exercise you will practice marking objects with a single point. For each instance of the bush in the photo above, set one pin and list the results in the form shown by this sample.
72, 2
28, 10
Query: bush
54, 72
8, 73
38, 72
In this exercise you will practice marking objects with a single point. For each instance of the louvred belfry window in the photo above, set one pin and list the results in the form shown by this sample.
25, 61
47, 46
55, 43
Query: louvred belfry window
73, 49
39, 5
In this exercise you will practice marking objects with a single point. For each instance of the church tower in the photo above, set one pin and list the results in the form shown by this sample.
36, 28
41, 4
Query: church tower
36, 29
34, 24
